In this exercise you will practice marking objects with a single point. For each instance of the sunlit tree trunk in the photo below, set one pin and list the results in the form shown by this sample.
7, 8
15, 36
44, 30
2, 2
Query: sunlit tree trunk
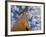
21, 24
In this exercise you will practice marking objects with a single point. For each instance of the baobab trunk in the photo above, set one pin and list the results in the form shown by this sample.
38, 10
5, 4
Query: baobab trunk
21, 24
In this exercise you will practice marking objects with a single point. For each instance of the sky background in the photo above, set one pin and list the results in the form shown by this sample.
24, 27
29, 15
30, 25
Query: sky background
34, 20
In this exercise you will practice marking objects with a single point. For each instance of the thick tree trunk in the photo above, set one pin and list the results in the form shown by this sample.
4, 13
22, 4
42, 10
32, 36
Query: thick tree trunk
21, 24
